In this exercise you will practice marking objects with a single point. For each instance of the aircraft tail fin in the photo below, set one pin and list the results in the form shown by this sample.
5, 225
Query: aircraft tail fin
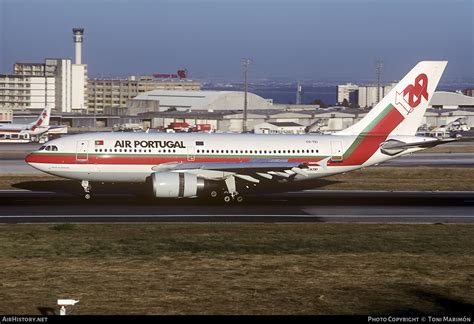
43, 119
401, 111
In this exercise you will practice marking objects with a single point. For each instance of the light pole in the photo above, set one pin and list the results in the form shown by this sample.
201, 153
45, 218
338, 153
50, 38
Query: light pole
378, 72
245, 63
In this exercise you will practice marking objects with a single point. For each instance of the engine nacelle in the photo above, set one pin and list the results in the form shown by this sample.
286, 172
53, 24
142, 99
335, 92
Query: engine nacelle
176, 185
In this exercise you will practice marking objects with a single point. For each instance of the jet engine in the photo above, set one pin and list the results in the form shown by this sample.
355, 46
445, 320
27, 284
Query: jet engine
176, 185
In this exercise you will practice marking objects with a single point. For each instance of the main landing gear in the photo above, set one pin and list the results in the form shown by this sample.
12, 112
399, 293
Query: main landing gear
226, 196
87, 189
231, 195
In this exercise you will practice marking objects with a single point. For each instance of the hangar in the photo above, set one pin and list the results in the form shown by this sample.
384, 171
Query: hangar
451, 100
202, 100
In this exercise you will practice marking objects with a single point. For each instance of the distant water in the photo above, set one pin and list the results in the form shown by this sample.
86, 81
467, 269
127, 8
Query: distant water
327, 94
286, 95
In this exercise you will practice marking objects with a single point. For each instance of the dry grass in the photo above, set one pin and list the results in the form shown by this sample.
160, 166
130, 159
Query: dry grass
407, 178
237, 268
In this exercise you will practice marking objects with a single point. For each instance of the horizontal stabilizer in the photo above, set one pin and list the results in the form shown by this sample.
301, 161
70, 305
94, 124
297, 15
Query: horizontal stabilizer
394, 147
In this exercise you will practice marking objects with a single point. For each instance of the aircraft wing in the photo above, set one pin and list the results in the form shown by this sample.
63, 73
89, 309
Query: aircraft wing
251, 171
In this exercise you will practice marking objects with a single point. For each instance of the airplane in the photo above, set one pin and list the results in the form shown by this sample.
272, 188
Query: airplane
185, 165
24, 133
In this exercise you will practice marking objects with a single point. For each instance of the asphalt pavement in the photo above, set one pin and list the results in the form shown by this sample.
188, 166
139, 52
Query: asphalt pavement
23, 206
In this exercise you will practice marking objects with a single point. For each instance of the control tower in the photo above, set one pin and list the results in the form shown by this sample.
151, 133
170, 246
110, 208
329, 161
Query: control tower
78, 74
78, 34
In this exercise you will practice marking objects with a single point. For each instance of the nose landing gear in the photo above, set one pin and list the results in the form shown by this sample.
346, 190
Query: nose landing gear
87, 189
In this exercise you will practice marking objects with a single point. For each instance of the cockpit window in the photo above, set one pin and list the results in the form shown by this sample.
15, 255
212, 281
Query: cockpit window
49, 148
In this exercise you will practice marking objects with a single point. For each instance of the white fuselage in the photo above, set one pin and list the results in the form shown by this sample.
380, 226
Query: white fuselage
132, 157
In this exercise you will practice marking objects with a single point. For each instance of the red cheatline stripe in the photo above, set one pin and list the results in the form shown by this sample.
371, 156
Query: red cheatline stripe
371, 142
143, 160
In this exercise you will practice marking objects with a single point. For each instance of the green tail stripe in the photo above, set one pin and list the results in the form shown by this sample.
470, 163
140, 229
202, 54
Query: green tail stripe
367, 130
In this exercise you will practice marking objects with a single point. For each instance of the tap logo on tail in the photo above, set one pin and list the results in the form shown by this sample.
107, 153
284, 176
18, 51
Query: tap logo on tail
410, 98
42, 118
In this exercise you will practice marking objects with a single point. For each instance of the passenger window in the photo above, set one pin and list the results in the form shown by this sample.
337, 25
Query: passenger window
41, 148
55, 148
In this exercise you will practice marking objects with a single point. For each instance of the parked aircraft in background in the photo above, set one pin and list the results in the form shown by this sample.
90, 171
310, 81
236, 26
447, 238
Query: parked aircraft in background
25, 133
224, 165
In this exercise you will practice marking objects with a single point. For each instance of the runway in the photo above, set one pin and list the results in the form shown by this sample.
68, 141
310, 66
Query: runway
433, 159
24, 206
18, 206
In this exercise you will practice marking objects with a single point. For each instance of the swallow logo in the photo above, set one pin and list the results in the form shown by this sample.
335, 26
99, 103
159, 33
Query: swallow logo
410, 98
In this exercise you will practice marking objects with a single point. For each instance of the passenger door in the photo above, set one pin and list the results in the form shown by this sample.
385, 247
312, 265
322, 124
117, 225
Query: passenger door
336, 151
191, 154
82, 153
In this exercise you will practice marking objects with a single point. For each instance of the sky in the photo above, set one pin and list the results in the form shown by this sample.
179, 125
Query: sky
286, 39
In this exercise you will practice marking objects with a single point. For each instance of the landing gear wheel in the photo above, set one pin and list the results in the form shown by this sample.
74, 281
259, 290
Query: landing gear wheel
213, 194
87, 196
227, 199
239, 199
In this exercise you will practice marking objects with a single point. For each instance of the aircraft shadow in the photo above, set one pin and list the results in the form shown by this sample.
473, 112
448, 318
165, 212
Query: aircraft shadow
143, 190
441, 305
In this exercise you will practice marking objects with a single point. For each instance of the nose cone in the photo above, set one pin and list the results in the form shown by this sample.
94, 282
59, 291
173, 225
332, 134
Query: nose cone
34, 160
30, 158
